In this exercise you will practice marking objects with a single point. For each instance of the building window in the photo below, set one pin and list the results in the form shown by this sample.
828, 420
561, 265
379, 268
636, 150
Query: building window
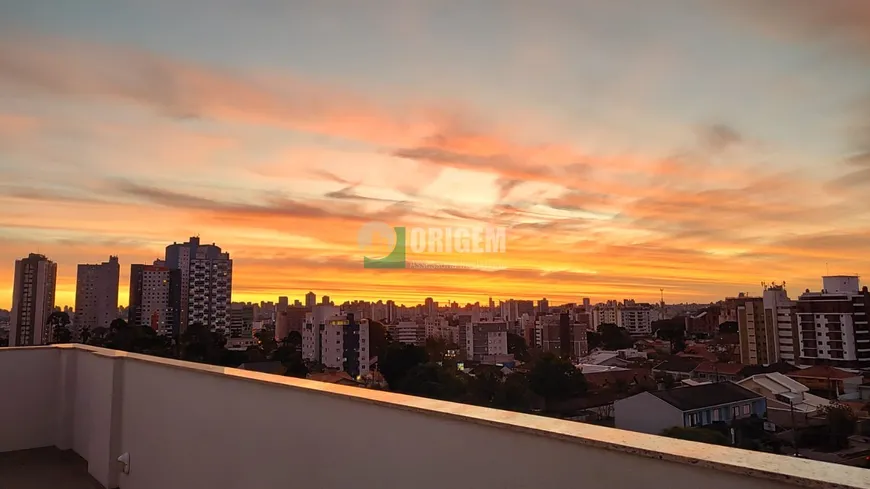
735, 412
715, 415
746, 409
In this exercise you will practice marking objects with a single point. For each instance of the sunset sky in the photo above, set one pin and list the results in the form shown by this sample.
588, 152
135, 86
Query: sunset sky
697, 146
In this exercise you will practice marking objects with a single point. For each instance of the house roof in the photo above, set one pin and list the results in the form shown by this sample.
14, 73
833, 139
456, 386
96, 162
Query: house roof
720, 368
823, 372
678, 364
701, 396
612, 377
334, 378
777, 383
778, 367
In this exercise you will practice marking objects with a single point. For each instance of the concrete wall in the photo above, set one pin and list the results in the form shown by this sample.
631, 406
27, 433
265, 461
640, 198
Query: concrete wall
646, 413
188, 425
28, 397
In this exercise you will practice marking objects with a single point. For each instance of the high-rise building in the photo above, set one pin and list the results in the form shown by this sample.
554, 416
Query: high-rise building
780, 316
484, 338
283, 303
431, 307
562, 335
324, 301
241, 320
206, 284
637, 320
96, 296
833, 324
587, 304
409, 332
32, 300
339, 341
543, 306
310, 300
289, 320
155, 292
757, 340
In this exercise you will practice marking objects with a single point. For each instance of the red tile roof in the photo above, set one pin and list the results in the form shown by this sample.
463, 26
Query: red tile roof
720, 368
822, 372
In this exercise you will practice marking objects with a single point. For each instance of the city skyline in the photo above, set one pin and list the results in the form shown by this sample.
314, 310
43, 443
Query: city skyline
696, 146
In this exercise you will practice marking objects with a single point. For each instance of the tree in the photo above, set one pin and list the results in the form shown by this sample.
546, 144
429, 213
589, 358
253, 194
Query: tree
379, 339
593, 339
702, 435
433, 381
614, 338
484, 385
729, 327
556, 379
436, 349
517, 347
841, 424
58, 326
514, 394
398, 360
266, 340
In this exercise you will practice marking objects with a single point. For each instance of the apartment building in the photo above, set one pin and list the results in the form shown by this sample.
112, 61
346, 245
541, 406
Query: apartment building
833, 324
563, 335
409, 332
758, 340
96, 296
484, 338
33, 292
205, 284
155, 292
637, 320
344, 344
780, 317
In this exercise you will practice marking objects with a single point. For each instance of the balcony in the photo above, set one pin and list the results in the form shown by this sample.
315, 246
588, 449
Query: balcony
190, 425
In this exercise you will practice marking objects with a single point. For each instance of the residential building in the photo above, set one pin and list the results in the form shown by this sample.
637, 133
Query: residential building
704, 322
560, 334
677, 368
718, 371
694, 406
310, 300
757, 339
438, 327
283, 303
288, 320
324, 301
830, 382
786, 398
485, 338
96, 296
526, 307
32, 300
241, 320
315, 323
155, 293
205, 285
637, 320
409, 332
780, 317
345, 344
833, 324
543, 306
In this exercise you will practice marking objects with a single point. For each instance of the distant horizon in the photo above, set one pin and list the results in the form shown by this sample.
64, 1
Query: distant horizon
699, 146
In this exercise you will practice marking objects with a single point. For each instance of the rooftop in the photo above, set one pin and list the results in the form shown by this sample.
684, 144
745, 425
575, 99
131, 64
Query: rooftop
823, 372
193, 425
705, 395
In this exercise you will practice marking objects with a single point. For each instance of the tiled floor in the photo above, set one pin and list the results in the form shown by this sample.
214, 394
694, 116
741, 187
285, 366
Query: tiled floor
44, 468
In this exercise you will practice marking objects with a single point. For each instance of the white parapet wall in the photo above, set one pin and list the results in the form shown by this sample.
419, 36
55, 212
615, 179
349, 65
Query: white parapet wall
188, 425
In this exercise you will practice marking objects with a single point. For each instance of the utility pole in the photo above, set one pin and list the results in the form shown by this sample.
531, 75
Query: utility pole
793, 429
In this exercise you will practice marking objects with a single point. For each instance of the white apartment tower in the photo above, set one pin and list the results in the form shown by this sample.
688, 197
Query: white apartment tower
833, 324
32, 300
151, 304
96, 296
780, 317
205, 284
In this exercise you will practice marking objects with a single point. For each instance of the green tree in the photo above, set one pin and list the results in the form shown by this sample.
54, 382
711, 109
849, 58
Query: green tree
436, 349
702, 435
556, 379
266, 341
517, 347
593, 339
841, 424
58, 324
484, 386
379, 339
614, 338
398, 360
433, 381
514, 394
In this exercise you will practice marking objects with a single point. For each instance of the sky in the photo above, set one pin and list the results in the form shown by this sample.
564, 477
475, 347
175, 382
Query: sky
696, 146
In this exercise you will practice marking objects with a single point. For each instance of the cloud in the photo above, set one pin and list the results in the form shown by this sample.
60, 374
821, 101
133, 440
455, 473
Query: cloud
718, 137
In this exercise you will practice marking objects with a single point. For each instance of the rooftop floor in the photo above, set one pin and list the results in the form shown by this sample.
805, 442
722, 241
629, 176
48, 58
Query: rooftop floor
45, 468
